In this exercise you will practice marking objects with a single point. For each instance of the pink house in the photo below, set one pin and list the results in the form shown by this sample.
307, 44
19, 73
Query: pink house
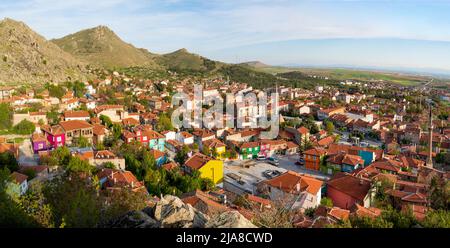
55, 135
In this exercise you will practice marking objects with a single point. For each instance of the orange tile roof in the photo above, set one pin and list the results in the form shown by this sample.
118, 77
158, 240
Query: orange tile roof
290, 180
76, 114
74, 125
18, 177
197, 161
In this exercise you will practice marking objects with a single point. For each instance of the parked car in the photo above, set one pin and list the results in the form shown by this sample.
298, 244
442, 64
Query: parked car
261, 157
273, 161
300, 162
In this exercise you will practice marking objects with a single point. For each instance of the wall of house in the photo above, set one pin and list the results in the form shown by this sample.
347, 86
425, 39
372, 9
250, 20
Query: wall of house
212, 170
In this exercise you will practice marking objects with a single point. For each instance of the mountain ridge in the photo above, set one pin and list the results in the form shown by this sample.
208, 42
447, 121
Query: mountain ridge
27, 57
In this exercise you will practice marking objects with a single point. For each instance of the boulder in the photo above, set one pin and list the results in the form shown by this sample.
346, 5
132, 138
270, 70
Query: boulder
231, 219
170, 211
134, 219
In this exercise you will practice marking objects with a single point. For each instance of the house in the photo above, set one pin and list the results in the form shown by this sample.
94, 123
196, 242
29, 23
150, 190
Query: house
34, 117
207, 166
327, 113
174, 145
314, 157
160, 157
99, 132
169, 166
111, 179
76, 129
301, 134
216, 146
170, 135
18, 184
185, 138
204, 202
346, 190
344, 162
293, 189
201, 135
55, 135
248, 150
39, 142
102, 157
115, 112
155, 140
6, 92
71, 104
76, 115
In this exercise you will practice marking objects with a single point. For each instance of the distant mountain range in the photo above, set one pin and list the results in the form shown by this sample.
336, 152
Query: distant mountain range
27, 57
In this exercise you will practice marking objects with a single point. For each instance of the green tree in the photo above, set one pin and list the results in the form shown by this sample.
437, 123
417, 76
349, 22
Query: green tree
7, 160
74, 201
33, 203
78, 165
24, 127
106, 121
329, 127
326, 202
437, 219
5, 116
164, 123
81, 142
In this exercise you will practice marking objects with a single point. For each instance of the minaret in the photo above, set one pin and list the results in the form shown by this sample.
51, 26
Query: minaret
430, 138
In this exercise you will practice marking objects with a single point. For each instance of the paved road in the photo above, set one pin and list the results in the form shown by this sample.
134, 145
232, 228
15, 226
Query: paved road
288, 162
26, 155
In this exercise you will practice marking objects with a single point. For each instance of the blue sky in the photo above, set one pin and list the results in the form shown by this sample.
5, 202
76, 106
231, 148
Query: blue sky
383, 33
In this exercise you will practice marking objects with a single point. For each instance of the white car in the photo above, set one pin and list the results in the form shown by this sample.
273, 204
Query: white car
261, 157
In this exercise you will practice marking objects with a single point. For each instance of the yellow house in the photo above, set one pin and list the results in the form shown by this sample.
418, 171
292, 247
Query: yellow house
216, 145
207, 166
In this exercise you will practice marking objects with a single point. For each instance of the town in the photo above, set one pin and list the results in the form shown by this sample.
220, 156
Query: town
351, 154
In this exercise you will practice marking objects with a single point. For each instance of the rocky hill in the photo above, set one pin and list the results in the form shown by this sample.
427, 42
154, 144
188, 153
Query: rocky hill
184, 60
171, 212
102, 47
27, 57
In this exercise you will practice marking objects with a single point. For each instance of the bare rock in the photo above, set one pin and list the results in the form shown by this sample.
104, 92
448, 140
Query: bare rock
231, 219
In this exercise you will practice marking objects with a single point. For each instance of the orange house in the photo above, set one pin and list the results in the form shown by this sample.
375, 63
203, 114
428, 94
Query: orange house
313, 157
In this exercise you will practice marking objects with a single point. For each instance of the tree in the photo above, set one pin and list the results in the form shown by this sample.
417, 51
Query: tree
7, 160
109, 165
33, 203
120, 202
77, 165
81, 142
106, 121
11, 214
74, 201
53, 116
164, 123
329, 127
5, 116
24, 127
436, 219
439, 194
326, 202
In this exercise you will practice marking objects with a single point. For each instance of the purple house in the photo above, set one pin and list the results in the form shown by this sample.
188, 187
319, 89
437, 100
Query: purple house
39, 142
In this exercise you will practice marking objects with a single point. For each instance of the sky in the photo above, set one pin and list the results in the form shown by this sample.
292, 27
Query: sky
360, 33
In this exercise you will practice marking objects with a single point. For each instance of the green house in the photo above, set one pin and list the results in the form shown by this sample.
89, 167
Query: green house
249, 150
